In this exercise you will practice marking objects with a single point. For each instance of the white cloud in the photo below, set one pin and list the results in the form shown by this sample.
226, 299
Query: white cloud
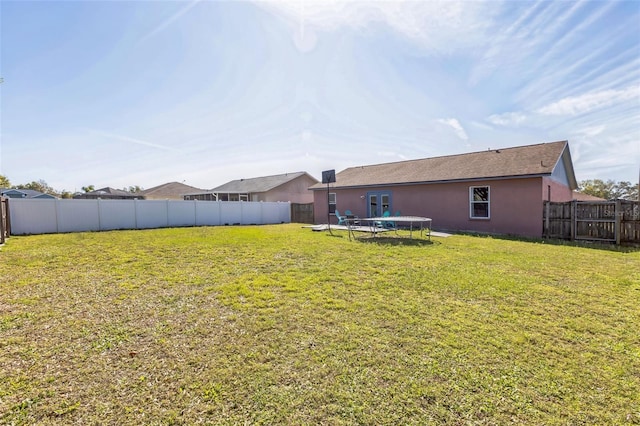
456, 126
576, 105
507, 119
132, 140
591, 131
435, 25
482, 126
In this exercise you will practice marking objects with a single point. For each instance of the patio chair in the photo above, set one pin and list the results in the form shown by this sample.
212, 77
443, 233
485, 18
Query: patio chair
341, 219
384, 224
390, 225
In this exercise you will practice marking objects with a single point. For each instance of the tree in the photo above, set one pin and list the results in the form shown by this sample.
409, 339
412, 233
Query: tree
609, 190
4, 182
40, 186
628, 191
133, 189
88, 188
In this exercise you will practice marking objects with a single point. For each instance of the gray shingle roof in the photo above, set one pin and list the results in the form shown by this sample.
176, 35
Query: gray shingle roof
259, 184
530, 160
169, 190
29, 193
111, 191
579, 196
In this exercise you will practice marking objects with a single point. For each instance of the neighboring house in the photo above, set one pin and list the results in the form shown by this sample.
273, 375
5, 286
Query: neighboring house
108, 194
499, 191
24, 193
579, 196
293, 187
169, 191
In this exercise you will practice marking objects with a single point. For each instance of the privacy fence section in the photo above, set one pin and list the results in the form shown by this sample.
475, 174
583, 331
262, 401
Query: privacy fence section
302, 213
4, 219
30, 216
605, 221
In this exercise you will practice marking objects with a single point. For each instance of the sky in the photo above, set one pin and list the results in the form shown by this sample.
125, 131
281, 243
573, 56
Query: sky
141, 93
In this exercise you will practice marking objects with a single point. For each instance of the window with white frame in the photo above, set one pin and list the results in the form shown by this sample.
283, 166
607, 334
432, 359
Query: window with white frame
479, 202
332, 202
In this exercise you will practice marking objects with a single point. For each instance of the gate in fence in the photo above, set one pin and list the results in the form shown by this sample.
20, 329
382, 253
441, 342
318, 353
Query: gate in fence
604, 221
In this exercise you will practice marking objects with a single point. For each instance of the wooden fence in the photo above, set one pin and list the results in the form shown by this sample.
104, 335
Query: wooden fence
4, 219
302, 213
604, 221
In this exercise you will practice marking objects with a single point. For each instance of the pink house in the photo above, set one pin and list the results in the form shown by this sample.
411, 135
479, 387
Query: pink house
498, 191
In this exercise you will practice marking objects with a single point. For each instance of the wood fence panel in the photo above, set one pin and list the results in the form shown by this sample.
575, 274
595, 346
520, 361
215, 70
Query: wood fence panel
557, 220
606, 221
629, 215
302, 213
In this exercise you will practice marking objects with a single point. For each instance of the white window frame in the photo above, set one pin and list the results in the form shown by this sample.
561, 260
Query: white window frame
332, 201
473, 202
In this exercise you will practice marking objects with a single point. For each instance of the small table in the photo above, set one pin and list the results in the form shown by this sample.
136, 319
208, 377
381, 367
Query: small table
352, 219
404, 219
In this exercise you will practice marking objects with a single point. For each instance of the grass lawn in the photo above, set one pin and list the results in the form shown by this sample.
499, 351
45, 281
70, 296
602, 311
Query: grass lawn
282, 325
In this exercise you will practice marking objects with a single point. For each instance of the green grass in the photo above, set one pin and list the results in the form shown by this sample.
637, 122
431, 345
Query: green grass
282, 325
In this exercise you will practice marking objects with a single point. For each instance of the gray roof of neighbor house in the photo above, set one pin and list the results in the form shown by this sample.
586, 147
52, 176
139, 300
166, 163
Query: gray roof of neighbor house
522, 161
579, 196
169, 190
29, 193
112, 192
259, 184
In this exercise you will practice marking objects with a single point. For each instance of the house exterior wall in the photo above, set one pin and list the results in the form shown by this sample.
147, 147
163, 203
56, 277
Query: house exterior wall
560, 191
515, 204
295, 191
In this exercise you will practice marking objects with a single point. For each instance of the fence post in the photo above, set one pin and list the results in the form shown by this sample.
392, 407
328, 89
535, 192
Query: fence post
135, 212
618, 226
574, 219
3, 224
57, 210
195, 213
99, 215
8, 217
546, 219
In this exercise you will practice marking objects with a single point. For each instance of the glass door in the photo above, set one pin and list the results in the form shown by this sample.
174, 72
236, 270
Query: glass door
377, 203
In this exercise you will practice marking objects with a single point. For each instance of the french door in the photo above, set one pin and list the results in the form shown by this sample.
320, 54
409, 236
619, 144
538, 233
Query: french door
378, 202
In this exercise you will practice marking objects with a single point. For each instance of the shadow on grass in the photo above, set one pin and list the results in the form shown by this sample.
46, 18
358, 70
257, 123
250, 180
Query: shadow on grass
334, 235
396, 241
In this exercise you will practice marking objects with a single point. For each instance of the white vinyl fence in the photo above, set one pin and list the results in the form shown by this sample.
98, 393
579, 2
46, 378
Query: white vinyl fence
29, 216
